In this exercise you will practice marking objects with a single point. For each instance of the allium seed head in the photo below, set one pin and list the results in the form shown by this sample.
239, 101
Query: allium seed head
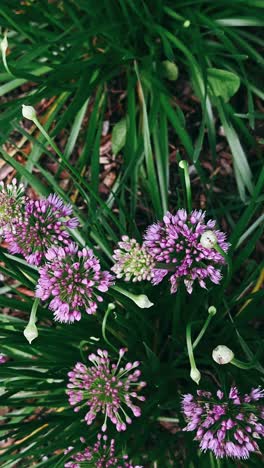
230, 426
100, 455
178, 244
73, 280
106, 388
133, 262
12, 200
44, 224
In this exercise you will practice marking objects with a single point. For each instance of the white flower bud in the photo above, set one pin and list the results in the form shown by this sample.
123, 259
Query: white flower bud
195, 375
4, 45
222, 354
142, 301
208, 239
29, 112
31, 332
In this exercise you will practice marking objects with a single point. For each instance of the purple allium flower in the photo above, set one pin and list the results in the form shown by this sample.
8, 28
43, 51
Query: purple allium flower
106, 388
3, 358
175, 244
72, 278
12, 200
101, 455
228, 426
132, 261
44, 224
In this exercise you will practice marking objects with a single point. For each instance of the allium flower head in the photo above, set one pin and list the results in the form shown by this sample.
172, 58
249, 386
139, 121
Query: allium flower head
73, 280
229, 427
12, 200
175, 244
132, 261
44, 224
106, 388
101, 455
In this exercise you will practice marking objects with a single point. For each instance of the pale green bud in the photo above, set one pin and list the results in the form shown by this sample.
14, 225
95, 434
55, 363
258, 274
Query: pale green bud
142, 301
222, 354
29, 112
195, 375
31, 332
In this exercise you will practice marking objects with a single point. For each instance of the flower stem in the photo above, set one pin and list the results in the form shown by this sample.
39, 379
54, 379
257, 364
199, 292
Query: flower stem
184, 165
110, 308
194, 374
211, 312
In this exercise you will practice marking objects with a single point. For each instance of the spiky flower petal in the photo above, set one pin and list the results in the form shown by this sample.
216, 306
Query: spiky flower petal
12, 200
228, 426
73, 280
44, 224
106, 388
175, 244
100, 455
133, 262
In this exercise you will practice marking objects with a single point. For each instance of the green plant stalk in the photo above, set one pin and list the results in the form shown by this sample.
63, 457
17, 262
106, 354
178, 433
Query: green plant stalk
184, 166
110, 308
212, 312
194, 374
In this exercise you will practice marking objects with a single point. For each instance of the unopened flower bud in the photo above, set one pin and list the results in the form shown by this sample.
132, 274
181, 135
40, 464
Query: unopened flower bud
4, 45
142, 301
195, 375
212, 310
222, 355
31, 332
208, 239
29, 112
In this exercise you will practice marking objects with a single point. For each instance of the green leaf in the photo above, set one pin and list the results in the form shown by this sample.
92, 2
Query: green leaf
119, 136
223, 83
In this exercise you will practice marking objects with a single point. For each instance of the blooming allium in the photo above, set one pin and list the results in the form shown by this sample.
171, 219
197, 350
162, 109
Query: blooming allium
44, 224
3, 358
12, 200
106, 388
101, 455
175, 244
72, 278
229, 426
132, 261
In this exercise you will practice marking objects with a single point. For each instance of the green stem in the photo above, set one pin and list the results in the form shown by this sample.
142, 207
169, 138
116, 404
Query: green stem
243, 365
110, 308
195, 374
212, 312
33, 313
184, 165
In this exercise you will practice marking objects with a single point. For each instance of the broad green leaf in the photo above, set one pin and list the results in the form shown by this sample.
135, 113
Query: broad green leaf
223, 83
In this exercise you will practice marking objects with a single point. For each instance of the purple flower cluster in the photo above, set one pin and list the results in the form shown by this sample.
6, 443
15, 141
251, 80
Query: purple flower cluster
106, 388
12, 200
44, 223
101, 455
132, 261
72, 278
229, 427
175, 245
